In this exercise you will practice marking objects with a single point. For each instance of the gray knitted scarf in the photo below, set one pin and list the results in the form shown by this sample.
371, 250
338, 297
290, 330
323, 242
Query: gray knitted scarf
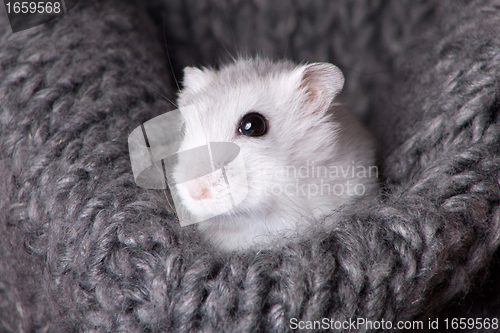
84, 249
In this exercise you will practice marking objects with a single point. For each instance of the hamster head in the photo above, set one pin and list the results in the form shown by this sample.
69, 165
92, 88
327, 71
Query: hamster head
275, 115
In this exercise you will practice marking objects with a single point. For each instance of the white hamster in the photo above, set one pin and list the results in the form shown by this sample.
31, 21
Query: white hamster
303, 154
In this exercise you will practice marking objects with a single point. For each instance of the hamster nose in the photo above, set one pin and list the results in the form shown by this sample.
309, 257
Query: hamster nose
198, 191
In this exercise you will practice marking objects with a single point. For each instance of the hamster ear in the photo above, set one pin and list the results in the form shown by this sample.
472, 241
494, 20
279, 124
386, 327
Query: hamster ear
195, 79
321, 82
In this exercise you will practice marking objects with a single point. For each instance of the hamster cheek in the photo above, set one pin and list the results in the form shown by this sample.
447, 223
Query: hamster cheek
237, 181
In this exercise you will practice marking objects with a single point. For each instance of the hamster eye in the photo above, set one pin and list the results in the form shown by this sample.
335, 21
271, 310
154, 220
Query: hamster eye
253, 124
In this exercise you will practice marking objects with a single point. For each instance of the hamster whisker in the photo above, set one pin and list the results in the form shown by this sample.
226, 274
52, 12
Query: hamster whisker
156, 91
168, 55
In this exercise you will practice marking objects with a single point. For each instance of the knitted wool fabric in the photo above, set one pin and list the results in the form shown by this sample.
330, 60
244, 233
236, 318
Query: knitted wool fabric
83, 249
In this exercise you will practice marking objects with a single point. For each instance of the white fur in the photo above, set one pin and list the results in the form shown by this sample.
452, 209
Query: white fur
304, 127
